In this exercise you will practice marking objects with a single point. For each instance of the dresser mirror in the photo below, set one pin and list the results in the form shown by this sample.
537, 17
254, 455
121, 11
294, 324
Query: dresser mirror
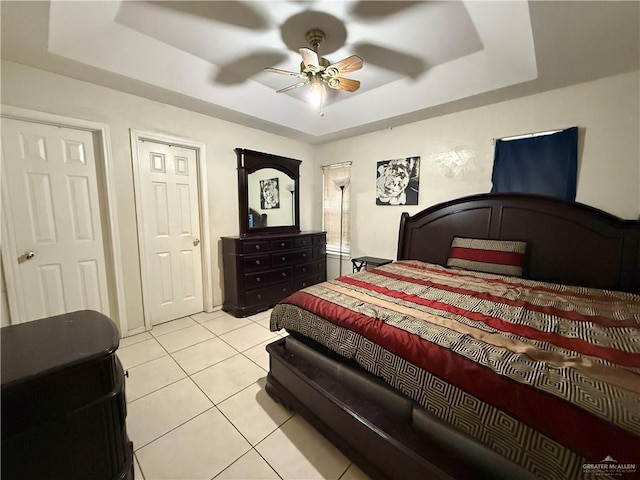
268, 195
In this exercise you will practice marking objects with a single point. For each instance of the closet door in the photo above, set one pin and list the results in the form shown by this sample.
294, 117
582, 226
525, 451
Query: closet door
52, 217
171, 250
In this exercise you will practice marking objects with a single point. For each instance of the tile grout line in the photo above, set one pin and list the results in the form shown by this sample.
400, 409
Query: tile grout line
171, 383
214, 405
178, 426
189, 375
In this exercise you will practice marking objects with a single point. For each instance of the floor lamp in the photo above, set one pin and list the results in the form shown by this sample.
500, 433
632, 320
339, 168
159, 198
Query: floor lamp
341, 183
292, 189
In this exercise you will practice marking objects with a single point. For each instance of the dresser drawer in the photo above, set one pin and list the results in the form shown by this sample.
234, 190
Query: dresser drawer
301, 242
319, 239
255, 247
269, 295
307, 282
308, 269
291, 257
255, 262
262, 279
284, 244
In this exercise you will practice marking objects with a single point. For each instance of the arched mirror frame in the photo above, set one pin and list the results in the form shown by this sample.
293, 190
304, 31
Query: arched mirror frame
250, 161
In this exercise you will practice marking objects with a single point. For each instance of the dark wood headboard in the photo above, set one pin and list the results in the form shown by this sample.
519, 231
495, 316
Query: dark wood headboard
567, 242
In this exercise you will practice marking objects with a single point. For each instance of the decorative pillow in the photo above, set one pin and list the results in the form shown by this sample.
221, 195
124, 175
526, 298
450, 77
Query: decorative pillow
504, 257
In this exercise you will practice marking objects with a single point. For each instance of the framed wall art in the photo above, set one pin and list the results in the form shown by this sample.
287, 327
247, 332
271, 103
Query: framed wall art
269, 194
398, 181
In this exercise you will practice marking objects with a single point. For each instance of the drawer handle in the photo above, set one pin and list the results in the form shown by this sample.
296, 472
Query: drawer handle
284, 274
257, 279
257, 262
284, 290
304, 269
284, 259
282, 244
257, 247
259, 296
304, 255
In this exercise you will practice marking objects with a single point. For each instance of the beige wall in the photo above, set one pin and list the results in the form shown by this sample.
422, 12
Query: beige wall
33, 89
456, 151
457, 154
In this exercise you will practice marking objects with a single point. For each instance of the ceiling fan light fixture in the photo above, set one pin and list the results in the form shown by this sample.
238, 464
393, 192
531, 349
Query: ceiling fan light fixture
317, 71
315, 98
316, 94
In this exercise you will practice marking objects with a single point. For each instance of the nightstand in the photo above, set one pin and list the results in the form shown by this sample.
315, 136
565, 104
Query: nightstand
366, 262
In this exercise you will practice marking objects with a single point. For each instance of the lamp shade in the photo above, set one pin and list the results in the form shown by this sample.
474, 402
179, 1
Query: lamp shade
341, 182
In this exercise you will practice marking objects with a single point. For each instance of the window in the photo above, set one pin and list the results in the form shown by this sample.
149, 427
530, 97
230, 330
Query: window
544, 164
331, 202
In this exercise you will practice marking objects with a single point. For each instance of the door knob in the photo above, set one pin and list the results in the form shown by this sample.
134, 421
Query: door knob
196, 242
26, 256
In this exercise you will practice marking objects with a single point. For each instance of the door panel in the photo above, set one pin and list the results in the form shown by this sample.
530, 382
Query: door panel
80, 206
52, 289
41, 216
89, 274
170, 246
54, 212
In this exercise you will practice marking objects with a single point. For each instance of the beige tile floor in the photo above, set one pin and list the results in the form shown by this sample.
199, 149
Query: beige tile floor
197, 408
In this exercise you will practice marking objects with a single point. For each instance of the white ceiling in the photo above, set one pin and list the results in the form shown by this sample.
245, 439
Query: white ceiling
421, 58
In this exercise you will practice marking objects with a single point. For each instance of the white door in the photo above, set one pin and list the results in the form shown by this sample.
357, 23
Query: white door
53, 216
170, 249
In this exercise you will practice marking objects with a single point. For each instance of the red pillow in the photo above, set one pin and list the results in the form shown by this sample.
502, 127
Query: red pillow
504, 257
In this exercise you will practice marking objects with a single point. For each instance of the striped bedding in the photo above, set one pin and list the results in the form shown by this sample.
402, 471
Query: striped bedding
547, 375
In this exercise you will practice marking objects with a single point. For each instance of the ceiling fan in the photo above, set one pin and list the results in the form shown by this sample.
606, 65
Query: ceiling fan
318, 72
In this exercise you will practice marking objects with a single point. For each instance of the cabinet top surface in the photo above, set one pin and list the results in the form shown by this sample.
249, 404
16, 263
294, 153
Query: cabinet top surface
44, 346
273, 236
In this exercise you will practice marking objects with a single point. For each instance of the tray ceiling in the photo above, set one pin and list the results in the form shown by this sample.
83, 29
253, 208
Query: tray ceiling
421, 58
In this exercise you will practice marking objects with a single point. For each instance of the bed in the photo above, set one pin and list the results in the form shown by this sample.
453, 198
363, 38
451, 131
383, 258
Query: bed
422, 369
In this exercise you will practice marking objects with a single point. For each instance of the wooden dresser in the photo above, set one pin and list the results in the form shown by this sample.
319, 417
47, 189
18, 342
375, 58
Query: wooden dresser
259, 271
63, 400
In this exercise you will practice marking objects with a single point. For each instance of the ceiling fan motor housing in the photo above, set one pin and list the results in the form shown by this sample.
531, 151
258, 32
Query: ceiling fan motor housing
314, 38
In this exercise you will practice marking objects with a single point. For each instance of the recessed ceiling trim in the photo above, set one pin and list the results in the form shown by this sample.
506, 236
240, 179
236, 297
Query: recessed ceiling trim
575, 41
97, 39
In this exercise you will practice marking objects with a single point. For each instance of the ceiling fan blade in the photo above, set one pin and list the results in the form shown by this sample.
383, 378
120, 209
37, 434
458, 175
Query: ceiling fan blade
310, 59
346, 65
284, 72
240, 14
243, 68
366, 10
291, 87
393, 60
346, 84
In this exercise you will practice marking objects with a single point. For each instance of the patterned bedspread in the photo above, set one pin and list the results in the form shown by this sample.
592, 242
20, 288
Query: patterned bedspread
547, 375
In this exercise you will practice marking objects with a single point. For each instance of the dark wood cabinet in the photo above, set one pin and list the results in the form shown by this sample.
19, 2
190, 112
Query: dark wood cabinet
63, 400
259, 271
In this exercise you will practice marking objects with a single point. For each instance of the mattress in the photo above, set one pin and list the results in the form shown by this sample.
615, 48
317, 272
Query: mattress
546, 375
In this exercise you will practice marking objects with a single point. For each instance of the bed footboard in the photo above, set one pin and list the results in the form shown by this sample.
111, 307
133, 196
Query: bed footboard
379, 437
